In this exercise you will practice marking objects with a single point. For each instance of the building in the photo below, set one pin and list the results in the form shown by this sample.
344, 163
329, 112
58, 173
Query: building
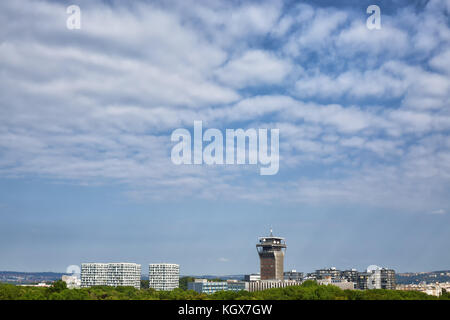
94, 274
236, 285
350, 275
252, 277
362, 281
111, 274
330, 272
387, 279
124, 275
163, 276
71, 281
376, 278
40, 284
341, 283
271, 254
293, 275
269, 284
310, 276
434, 289
208, 287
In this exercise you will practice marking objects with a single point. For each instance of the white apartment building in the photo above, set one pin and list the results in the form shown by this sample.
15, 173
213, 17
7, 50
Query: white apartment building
111, 274
163, 276
94, 274
374, 281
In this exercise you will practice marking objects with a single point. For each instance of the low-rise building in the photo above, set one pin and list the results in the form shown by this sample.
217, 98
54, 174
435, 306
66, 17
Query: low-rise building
40, 284
433, 289
236, 285
209, 287
72, 282
332, 272
269, 284
205, 286
252, 277
293, 275
340, 283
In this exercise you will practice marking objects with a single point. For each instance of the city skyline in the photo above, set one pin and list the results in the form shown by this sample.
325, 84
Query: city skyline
361, 115
264, 247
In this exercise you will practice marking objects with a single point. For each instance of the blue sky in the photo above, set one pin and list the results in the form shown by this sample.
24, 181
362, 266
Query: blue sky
86, 117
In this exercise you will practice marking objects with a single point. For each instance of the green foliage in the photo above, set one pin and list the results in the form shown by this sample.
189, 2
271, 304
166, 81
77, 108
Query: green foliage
379, 294
216, 280
57, 287
9, 291
144, 284
309, 290
309, 283
180, 294
445, 295
184, 281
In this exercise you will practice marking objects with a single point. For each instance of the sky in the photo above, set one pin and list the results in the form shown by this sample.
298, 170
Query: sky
86, 117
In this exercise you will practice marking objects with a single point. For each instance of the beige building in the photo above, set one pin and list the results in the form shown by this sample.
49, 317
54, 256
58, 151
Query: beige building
269, 284
340, 283
72, 282
432, 289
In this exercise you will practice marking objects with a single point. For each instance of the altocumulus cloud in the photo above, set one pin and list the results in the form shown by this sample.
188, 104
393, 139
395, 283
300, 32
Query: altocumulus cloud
367, 109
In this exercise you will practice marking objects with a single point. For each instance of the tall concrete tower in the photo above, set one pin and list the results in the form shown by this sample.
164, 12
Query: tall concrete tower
271, 255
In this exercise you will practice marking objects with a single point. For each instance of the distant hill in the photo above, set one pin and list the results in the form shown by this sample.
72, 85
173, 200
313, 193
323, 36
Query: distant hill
29, 277
36, 277
428, 277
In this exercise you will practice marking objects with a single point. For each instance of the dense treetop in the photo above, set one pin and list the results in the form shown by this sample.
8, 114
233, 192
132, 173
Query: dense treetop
309, 290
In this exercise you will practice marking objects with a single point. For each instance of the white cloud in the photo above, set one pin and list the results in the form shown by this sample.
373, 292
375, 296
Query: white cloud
358, 38
381, 82
314, 28
98, 106
253, 68
440, 62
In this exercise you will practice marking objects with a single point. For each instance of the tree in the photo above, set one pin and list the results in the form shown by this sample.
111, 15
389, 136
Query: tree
58, 286
309, 290
144, 284
184, 281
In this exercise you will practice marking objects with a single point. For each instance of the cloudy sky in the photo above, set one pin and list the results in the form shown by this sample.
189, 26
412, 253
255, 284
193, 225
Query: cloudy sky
86, 117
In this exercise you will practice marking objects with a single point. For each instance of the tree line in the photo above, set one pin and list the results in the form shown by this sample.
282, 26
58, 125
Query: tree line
309, 290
